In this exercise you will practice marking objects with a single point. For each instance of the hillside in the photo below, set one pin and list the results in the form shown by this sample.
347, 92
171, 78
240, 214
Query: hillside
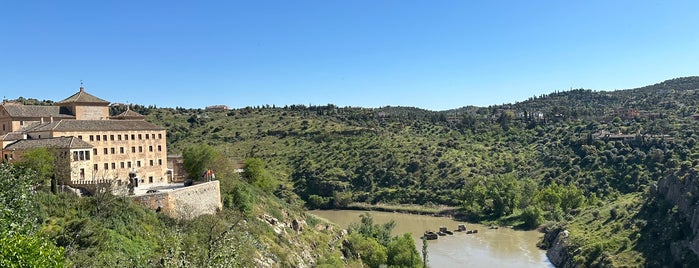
550, 158
615, 171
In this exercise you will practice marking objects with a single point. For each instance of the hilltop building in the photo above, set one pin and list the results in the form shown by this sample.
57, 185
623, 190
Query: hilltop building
89, 145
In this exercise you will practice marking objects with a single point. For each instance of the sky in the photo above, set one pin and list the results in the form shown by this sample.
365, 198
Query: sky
435, 55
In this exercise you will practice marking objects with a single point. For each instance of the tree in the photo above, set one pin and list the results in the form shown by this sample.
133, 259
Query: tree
402, 252
532, 216
198, 159
41, 160
370, 251
19, 250
256, 174
20, 246
424, 251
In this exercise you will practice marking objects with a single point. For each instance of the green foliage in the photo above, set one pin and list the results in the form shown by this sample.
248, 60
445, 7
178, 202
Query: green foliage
19, 250
20, 245
532, 216
374, 244
41, 160
16, 206
424, 252
256, 174
198, 159
368, 249
240, 199
318, 202
402, 252
367, 228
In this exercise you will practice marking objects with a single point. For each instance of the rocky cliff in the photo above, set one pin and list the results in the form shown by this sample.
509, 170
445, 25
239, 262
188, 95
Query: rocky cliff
682, 191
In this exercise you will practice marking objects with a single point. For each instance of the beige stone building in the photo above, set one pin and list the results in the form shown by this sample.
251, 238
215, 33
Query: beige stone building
88, 143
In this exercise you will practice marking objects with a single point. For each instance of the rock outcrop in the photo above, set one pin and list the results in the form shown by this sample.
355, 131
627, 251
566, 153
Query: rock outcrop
682, 190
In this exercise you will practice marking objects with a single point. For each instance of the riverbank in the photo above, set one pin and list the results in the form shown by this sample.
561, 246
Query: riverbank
438, 211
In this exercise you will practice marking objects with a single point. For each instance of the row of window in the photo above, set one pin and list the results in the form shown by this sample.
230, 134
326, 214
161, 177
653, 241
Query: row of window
81, 155
119, 137
107, 151
127, 164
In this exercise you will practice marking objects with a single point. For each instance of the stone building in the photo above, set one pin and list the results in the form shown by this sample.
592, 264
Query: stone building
89, 145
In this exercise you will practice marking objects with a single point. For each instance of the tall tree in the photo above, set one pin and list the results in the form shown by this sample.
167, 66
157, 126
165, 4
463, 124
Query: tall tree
198, 159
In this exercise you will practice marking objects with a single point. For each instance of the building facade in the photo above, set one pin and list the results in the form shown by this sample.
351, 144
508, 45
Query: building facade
89, 145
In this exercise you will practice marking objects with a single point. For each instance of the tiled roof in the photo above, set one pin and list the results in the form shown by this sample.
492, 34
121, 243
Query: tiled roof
12, 136
37, 111
95, 125
57, 143
128, 114
83, 97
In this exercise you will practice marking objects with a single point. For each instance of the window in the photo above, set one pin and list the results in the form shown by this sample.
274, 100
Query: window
80, 137
98, 137
92, 138
121, 150
81, 155
105, 137
160, 148
160, 162
139, 137
133, 137
121, 164
113, 150
82, 173
160, 136
128, 164
133, 149
150, 179
147, 136
113, 165
150, 148
94, 167
126, 137
140, 149
152, 136
94, 151
138, 163
87, 155
151, 163
106, 151
106, 166
119, 137
111, 137
75, 156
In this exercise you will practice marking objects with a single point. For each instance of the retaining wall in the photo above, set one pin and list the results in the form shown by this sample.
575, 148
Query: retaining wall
187, 202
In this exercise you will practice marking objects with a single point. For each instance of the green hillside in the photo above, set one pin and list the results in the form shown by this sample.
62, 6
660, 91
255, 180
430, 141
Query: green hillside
615, 170
551, 158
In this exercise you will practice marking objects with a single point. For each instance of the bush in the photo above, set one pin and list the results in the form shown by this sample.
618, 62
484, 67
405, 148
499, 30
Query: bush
532, 217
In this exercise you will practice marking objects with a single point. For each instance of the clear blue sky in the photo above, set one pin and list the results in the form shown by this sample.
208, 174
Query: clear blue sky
430, 54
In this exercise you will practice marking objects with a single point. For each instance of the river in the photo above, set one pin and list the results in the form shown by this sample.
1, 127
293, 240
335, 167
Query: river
499, 248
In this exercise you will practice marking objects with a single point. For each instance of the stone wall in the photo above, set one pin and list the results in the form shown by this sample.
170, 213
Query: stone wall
187, 202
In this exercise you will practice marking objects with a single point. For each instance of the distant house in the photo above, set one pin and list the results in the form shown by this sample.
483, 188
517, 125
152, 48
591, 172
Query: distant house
627, 114
217, 108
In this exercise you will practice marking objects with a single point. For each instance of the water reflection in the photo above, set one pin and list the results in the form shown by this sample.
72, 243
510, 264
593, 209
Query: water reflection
500, 248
